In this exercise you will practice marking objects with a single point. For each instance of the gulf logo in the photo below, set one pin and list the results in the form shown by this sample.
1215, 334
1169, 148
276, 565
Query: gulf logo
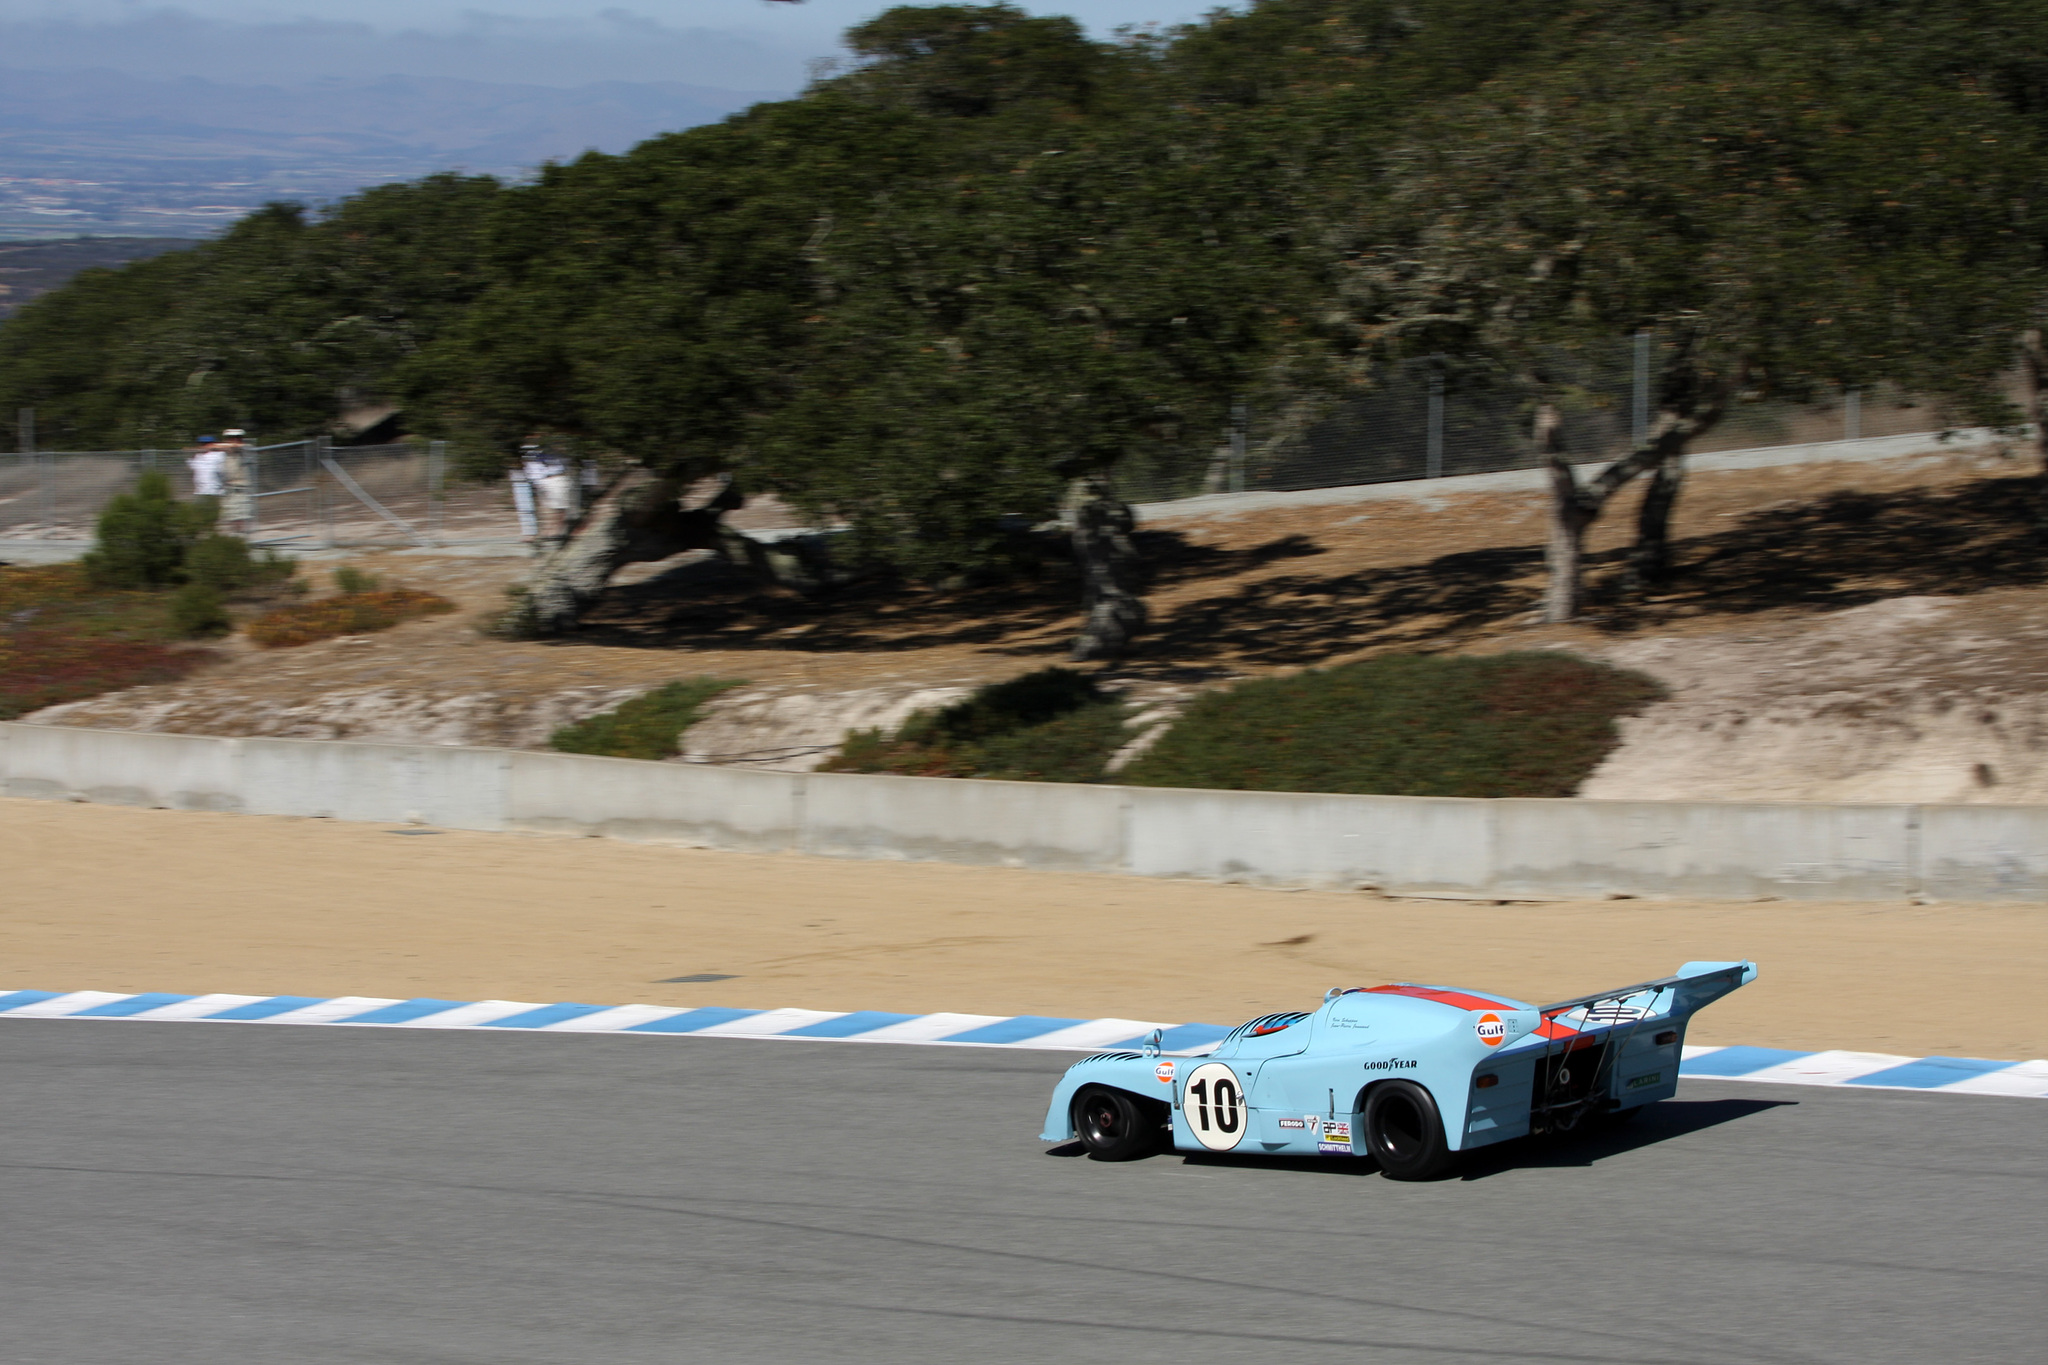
1490, 1030
1164, 1071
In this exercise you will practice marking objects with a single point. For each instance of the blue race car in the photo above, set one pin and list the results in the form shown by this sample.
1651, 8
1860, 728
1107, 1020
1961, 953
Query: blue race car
1409, 1075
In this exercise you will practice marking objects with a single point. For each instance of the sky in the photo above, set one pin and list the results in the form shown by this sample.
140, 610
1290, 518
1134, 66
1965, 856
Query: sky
748, 45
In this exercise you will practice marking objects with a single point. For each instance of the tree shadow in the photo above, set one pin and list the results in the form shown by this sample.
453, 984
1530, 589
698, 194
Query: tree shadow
1830, 553
1824, 554
1852, 547
710, 604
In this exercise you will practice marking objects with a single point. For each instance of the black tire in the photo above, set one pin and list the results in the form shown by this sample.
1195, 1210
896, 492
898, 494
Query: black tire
1116, 1125
1405, 1133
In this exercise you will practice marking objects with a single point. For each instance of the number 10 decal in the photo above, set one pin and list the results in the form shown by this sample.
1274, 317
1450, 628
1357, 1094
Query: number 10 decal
1213, 1103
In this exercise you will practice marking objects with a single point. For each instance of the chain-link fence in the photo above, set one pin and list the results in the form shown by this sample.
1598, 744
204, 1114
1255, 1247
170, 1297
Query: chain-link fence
1421, 419
307, 495
1428, 418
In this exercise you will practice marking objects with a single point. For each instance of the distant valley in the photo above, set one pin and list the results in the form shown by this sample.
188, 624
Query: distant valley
29, 269
106, 154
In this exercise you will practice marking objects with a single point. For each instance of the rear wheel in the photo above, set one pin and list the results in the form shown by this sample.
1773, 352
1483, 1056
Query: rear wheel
1115, 1125
1405, 1133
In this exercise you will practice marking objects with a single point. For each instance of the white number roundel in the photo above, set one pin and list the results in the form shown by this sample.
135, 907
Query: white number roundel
1213, 1103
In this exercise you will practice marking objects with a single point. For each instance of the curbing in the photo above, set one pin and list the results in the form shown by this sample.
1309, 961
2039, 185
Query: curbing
1477, 848
1948, 1075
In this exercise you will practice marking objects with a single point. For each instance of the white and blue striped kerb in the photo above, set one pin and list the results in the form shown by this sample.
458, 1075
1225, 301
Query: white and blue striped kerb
1876, 1070
1952, 1075
859, 1026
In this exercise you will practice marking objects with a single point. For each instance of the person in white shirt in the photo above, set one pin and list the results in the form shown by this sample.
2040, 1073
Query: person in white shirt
205, 464
554, 487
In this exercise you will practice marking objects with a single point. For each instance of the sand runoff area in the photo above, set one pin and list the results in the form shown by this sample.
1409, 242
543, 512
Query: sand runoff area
119, 899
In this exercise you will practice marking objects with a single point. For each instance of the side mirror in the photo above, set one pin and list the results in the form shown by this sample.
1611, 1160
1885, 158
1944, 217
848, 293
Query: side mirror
1155, 1042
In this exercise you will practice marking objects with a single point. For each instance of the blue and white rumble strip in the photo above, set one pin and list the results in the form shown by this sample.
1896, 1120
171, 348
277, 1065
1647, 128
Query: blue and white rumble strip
860, 1026
1950, 1075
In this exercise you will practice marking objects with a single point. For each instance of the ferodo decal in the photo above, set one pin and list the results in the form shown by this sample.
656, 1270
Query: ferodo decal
1164, 1071
1213, 1102
1490, 1029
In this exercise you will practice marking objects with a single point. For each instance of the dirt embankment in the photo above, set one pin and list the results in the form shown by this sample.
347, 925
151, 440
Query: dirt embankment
1841, 632
115, 899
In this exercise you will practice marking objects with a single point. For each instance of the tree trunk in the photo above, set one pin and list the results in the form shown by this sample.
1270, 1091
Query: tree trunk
2034, 390
1112, 611
1650, 558
637, 520
1575, 506
1564, 554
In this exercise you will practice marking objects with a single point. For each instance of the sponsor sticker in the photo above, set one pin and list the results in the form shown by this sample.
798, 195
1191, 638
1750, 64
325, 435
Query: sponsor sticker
1391, 1064
1490, 1029
1164, 1071
1292, 1123
1336, 1136
1638, 1082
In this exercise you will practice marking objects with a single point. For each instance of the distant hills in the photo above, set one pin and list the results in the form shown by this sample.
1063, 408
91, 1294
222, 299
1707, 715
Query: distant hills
105, 153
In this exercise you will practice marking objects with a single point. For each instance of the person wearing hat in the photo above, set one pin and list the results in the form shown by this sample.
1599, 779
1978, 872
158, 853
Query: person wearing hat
205, 464
238, 484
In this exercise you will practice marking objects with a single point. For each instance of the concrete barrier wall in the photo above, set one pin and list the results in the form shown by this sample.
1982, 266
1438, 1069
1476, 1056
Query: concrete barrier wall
1408, 842
1507, 848
937, 819
1705, 848
624, 798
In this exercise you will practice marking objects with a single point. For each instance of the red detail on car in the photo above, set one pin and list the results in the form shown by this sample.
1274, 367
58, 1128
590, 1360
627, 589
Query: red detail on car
1463, 1000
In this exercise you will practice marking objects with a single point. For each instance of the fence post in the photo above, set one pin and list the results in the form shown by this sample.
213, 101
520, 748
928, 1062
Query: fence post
1237, 445
437, 470
1852, 414
25, 440
1639, 409
253, 472
1433, 455
319, 449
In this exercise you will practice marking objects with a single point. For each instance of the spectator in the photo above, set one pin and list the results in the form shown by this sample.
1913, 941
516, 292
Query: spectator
522, 502
205, 464
554, 488
238, 484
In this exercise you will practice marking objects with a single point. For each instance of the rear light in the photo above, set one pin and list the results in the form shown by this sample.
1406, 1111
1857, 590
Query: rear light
1667, 1037
1487, 1082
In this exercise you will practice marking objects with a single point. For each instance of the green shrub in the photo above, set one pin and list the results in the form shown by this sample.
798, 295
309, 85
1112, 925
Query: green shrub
144, 534
649, 726
349, 580
1054, 725
225, 564
1525, 724
197, 611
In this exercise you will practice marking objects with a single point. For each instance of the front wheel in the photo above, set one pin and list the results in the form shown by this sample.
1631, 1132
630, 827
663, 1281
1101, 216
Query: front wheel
1115, 1125
1405, 1133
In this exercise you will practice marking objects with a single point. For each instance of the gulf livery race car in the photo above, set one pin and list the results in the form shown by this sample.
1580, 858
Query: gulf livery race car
1408, 1075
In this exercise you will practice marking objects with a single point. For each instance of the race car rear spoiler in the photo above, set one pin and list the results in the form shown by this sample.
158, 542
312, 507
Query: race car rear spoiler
1695, 986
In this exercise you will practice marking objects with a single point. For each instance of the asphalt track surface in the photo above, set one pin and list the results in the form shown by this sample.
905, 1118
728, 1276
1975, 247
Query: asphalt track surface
179, 1193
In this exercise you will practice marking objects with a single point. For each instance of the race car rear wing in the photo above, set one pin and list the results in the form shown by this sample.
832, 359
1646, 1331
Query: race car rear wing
1695, 986
1583, 1038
